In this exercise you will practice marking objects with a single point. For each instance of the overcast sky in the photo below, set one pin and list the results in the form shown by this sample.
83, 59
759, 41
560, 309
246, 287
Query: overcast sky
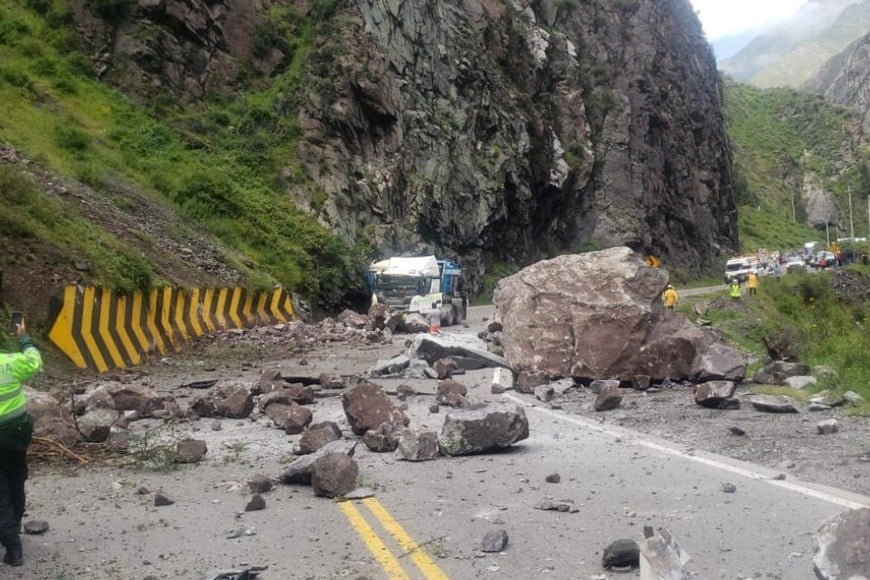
725, 17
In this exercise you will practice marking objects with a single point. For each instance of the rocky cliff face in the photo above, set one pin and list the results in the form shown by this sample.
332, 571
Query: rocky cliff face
181, 47
845, 79
480, 129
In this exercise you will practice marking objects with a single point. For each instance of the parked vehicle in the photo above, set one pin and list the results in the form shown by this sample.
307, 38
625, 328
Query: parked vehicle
739, 268
824, 260
415, 283
795, 263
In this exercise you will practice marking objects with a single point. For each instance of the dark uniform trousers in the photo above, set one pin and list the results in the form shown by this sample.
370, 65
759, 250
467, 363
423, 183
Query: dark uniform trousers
15, 436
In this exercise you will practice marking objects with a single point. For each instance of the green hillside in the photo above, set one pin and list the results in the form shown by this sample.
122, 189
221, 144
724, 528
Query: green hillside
780, 135
221, 164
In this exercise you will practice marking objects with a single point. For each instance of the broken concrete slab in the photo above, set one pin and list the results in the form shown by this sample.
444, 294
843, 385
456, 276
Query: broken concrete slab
662, 558
468, 351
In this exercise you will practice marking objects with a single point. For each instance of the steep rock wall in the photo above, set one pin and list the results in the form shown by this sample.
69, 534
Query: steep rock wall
521, 130
508, 130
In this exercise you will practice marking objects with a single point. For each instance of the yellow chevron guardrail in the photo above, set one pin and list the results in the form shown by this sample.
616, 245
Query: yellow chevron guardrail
100, 329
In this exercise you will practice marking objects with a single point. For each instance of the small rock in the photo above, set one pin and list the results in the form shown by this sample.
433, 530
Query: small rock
736, 431
161, 499
828, 426
728, 487
622, 553
562, 505
259, 484
495, 540
553, 478
35, 527
257, 503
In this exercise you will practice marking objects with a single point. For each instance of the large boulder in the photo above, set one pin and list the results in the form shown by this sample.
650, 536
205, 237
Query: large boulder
598, 315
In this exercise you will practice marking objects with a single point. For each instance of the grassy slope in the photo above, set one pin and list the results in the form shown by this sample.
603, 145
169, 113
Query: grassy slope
803, 311
217, 164
778, 135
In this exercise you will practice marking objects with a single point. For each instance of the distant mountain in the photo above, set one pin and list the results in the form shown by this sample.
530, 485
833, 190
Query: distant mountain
794, 51
730, 45
845, 79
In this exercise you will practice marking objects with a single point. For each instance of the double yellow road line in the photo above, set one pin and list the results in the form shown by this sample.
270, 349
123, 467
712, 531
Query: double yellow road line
388, 561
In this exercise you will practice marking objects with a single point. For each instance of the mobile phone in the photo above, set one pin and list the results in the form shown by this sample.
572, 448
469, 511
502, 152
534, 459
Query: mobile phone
16, 319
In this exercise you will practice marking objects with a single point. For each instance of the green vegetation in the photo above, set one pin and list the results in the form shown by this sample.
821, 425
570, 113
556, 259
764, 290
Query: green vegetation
779, 136
802, 313
227, 164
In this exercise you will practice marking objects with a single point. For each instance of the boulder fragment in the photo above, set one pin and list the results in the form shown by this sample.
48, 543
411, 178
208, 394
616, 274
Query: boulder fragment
417, 445
494, 540
299, 472
334, 474
367, 407
713, 394
481, 428
608, 399
190, 451
773, 404
316, 436
502, 380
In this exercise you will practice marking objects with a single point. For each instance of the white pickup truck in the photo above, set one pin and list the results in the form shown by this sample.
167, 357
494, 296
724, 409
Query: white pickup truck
740, 267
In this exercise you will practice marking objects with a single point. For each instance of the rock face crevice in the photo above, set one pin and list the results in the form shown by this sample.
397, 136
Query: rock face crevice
488, 130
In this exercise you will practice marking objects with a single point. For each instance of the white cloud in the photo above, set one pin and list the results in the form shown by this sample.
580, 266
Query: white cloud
725, 17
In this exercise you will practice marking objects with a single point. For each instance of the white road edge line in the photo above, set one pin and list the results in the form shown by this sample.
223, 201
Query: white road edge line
834, 496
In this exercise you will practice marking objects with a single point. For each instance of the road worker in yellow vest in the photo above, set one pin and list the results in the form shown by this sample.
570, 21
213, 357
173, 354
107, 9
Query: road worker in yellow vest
16, 430
735, 289
752, 282
669, 297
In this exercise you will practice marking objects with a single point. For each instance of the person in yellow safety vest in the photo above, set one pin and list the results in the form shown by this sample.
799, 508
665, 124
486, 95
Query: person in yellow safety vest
669, 297
735, 289
16, 430
752, 282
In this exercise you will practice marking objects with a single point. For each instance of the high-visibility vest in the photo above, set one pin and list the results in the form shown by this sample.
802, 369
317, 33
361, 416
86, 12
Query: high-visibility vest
735, 290
14, 368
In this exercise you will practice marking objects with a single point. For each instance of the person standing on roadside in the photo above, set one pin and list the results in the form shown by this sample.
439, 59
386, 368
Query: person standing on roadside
735, 289
669, 297
752, 282
16, 431
434, 316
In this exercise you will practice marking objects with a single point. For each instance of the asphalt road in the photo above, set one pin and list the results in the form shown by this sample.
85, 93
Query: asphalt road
427, 519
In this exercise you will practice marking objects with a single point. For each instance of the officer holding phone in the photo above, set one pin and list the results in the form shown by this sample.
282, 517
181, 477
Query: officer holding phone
16, 430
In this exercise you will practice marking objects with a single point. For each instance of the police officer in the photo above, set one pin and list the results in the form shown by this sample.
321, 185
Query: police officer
16, 430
